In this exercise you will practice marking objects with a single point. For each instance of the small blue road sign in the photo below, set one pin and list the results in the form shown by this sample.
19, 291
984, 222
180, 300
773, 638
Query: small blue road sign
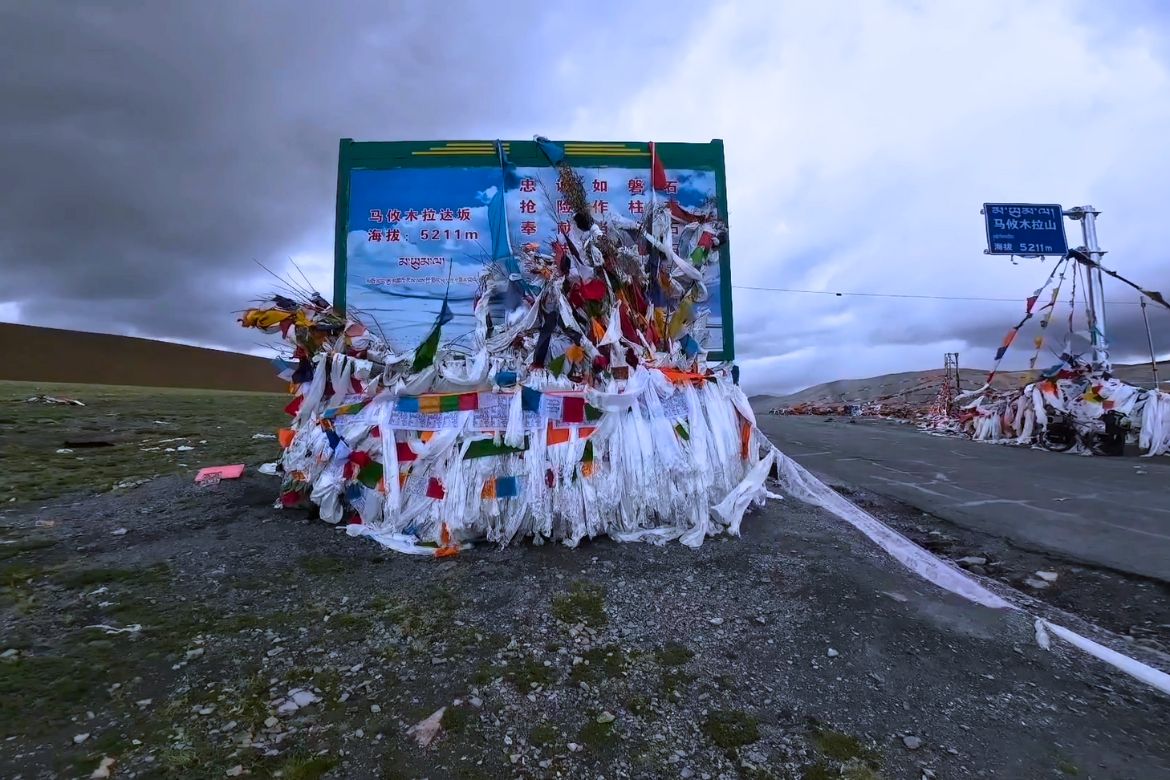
1025, 229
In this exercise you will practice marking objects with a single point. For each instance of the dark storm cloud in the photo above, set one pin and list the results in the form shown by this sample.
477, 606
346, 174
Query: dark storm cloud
152, 151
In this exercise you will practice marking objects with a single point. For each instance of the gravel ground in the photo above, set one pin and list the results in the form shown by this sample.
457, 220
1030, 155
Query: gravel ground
271, 644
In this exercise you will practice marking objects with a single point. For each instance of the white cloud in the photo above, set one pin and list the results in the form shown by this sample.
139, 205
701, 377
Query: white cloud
861, 145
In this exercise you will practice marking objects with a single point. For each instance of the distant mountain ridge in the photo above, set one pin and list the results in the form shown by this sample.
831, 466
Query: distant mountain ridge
36, 354
921, 387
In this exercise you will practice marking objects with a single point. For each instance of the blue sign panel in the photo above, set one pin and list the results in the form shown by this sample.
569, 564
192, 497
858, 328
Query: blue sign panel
1025, 229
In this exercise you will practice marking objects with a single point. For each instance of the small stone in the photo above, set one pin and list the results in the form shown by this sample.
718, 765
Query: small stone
760, 619
271, 721
375, 708
144, 702
79, 738
912, 742
833, 653
514, 758
356, 668
972, 560
716, 621
344, 696
120, 532
360, 733
573, 747
507, 740
103, 770
606, 717
438, 661
686, 773
1047, 576
11, 652
205, 710
1035, 584
275, 652
476, 702
193, 654
235, 771
303, 698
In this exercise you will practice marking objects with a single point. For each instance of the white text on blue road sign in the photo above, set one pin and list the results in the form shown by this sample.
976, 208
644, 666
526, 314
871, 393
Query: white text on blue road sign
1024, 229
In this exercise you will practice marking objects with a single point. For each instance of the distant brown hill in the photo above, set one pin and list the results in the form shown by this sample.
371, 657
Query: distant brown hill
918, 388
50, 355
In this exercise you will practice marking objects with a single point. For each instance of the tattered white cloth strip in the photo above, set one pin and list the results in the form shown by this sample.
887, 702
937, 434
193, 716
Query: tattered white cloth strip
403, 543
803, 485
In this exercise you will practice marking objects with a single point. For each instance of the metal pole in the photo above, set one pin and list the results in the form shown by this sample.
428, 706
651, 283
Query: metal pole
1150, 339
1094, 281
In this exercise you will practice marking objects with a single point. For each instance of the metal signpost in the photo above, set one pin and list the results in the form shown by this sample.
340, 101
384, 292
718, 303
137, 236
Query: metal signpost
1036, 230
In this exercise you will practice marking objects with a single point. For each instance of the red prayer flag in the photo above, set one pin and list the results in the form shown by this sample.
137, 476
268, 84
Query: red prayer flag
468, 402
593, 290
574, 409
294, 405
658, 173
405, 453
435, 488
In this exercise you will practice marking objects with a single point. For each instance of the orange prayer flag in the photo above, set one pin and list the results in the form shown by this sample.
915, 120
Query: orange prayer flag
426, 435
489, 490
557, 435
598, 330
285, 437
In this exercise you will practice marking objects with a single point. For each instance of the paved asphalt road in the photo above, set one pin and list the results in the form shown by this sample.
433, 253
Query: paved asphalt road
1112, 512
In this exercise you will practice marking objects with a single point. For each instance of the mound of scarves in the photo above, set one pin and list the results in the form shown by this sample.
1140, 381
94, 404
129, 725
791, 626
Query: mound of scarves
1017, 416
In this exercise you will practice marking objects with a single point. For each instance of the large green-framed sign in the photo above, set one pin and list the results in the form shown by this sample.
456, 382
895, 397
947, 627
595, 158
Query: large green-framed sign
417, 221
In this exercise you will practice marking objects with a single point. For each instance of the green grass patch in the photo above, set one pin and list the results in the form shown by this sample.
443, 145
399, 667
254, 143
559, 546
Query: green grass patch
86, 578
840, 746
594, 735
543, 735
307, 768
529, 673
675, 681
599, 663
218, 424
320, 565
584, 603
730, 729
454, 719
674, 654
21, 546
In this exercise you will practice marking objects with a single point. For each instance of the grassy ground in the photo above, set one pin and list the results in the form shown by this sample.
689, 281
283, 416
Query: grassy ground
145, 429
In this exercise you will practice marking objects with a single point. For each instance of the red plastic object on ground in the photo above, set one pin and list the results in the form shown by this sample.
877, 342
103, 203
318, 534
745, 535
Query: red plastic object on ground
216, 473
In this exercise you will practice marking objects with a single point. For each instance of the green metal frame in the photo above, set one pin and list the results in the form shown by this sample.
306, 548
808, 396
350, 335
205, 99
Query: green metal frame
383, 155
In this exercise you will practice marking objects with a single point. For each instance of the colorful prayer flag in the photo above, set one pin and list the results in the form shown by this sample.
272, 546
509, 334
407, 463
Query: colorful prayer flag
574, 409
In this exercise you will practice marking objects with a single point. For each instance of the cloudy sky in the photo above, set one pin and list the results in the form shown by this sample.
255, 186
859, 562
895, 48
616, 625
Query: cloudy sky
153, 153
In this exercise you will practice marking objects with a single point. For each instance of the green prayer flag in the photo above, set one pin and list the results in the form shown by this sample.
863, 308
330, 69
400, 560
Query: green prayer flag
557, 365
483, 448
371, 475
